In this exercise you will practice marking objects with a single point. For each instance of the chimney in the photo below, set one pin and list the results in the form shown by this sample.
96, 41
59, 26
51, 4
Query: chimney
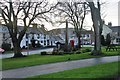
42, 26
34, 25
109, 24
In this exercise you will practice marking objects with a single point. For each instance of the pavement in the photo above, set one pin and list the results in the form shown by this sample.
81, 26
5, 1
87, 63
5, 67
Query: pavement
55, 67
8, 55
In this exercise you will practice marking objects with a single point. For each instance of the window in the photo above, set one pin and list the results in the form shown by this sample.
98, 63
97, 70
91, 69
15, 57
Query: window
44, 42
41, 41
118, 40
88, 35
32, 36
118, 33
48, 42
44, 36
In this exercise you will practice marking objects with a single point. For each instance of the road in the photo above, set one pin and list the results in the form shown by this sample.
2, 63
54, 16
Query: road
8, 55
55, 67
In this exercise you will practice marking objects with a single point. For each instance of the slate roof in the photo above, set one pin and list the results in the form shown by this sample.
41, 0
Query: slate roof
115, 28
34, 30
58, 31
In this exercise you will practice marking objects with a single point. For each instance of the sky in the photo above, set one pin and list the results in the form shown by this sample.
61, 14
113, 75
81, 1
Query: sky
109, 11
112, 12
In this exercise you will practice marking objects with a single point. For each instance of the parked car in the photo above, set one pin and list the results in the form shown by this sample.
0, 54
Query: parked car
2, 50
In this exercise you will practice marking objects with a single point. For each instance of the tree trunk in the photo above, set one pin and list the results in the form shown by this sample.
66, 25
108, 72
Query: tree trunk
66, 37
96, 22
95, 40
17, 50
79, 42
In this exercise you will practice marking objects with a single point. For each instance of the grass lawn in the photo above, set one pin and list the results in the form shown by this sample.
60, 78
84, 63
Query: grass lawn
32, 60
107, 70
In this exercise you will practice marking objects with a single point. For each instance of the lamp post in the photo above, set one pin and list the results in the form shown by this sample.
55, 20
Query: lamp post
66, 37
82, 41
28, 45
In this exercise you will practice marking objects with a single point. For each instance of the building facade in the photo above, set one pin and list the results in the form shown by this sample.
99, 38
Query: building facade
34, 37
86, 35
116, 34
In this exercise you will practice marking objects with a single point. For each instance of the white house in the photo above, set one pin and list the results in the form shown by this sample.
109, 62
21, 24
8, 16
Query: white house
34, 35
4, 35
114, 32
87, 35
106, 30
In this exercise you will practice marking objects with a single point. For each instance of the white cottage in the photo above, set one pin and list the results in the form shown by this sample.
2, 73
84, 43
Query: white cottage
34, 35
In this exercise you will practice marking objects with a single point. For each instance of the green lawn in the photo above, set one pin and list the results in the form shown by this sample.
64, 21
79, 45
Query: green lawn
106, 70
38, 59
32, 60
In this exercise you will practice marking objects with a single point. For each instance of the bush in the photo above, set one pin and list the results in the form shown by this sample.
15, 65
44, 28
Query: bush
44, 53
77, 52
103, 40
61, 52
75, 49
55, 51
6, 46
108, 39
86, 50
68, 52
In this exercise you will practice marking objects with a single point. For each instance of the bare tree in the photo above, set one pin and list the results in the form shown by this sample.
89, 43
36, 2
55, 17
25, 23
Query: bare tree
97, 25
26, 12
75, 13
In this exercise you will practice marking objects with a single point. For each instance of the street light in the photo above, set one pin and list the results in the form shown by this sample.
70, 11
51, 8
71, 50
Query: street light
28, 45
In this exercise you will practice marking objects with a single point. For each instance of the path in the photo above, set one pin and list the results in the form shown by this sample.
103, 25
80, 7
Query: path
55, 67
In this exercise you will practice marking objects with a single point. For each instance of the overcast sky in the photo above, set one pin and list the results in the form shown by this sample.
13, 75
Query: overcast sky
109, 10
112, 11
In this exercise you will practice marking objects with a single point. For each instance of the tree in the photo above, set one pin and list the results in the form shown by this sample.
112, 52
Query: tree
108, 39
103, 42
66, 37
97, 25
26, 12
75, 13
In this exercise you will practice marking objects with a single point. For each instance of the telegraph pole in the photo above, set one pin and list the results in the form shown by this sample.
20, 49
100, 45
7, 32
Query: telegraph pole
66, 37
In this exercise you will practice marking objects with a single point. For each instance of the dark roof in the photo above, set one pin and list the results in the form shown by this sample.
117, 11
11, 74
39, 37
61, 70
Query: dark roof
58, 31
56, 38
34, 30
39, 30
115, 28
